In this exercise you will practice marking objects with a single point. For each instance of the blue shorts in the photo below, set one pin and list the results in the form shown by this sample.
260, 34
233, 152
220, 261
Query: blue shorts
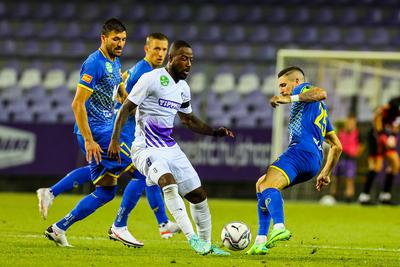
297, 165
107, 165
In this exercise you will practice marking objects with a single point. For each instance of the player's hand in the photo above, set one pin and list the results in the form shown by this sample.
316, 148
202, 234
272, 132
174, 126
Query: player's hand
223, 131
114, 150
279, 99
322, 180
93, 150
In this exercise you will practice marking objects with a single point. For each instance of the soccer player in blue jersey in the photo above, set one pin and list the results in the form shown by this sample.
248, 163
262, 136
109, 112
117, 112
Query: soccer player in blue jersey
309, 127
155, 51
93, 105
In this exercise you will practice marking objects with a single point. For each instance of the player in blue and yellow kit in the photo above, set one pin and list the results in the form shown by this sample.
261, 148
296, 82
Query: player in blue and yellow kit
309, 127
93, 105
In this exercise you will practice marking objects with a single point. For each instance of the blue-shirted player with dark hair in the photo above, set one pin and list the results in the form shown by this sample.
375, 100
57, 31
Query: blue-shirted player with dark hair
309, 127
93, 106
156, 49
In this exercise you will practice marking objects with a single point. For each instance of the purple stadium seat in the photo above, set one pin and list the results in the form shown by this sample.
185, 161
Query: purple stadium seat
25, 29
35, 95
254, 14
22, 10
10, 94
230, 14
183, 13
5, 28
54, 48
22, 117
67, 11
48, 31
71, 30
220, 51
308, 35
373, 16
8, 47
331, 35
234, 34
141, 32
379, 36
300, 15
47, 117
258, 34
347, 16
43, 11
276, 15
112, 11
206, 13
210, 33
136, 12
243, 51
76, 48
266, 52
188, 32
3, 10
354, 36
198, 50
282, 34
325, 16
163, 14
31, 47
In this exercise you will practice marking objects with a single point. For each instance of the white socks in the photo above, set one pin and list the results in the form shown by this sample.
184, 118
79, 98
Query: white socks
279, 226
202, 217
176, 207
260, 239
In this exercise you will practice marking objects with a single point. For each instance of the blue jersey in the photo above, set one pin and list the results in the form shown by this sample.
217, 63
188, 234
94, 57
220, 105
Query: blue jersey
134, 74
308, 124
102, 77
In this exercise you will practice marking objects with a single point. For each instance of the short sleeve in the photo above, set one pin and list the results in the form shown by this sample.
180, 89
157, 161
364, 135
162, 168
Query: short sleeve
141, 89
329, 127
90, 74
186, 106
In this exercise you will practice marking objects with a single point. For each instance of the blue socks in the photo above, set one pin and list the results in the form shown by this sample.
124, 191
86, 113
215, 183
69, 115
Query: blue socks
264, 217
156, 202
73, 179
130, 198
100, 196
274, 202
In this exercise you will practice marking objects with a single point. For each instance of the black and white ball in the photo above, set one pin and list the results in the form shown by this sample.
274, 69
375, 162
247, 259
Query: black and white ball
236, 236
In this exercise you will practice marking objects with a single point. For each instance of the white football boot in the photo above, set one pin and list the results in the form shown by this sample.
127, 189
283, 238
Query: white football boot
167, 230
122, 235
57, 235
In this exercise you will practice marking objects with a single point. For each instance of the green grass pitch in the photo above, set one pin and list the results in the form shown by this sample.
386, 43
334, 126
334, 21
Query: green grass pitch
342, 235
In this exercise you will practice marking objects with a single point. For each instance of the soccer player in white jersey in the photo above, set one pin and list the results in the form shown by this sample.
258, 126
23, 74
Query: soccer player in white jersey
156, 98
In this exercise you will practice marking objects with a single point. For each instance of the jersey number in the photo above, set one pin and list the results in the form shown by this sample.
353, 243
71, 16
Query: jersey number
320, 121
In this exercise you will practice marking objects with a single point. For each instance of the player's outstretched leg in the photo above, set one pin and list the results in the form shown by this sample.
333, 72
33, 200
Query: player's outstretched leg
274, 202
73, 179
91, 202
176, 206
264, 219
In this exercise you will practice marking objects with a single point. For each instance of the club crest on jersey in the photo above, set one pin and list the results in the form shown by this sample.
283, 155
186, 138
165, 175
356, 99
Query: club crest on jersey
164, 80
109, 67
169, 104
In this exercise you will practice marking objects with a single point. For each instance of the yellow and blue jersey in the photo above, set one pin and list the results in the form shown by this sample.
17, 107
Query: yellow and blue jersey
102, 77
309, 123
134, 74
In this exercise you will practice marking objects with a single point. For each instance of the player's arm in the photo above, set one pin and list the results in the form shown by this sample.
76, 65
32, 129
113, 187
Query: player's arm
333, 156
314, 94
122, 93
79, 109
198, 126
127, 108
377, 120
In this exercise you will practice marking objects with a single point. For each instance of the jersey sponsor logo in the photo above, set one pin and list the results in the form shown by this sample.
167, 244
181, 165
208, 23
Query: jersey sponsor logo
169, 104
87, 78
109, 67
148, 162
16, 147
164, 80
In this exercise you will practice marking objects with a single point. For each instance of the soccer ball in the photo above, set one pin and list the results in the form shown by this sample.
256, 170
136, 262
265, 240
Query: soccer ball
236, 236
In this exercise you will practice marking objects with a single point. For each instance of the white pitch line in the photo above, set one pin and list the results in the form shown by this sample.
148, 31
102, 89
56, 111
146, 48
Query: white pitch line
180, 241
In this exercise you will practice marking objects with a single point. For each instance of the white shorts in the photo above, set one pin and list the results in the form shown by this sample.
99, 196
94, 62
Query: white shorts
155, 162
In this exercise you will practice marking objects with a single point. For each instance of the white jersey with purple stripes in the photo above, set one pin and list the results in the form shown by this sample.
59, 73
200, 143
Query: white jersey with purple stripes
158, 98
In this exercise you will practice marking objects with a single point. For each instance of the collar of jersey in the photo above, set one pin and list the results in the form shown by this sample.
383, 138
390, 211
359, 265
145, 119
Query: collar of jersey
105, 56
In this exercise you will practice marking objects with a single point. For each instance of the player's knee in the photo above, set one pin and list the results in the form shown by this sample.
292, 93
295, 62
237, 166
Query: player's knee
170, 191
196, 196
105, 193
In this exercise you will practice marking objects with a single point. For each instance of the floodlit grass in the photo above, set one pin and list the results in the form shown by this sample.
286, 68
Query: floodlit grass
342, 235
